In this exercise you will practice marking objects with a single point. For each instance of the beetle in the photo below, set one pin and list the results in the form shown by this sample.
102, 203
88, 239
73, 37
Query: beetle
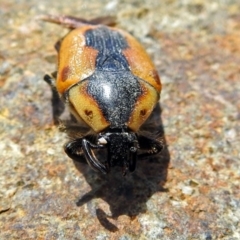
110, 85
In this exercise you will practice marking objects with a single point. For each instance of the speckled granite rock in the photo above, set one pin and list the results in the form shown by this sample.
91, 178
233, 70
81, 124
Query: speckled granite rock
44, 195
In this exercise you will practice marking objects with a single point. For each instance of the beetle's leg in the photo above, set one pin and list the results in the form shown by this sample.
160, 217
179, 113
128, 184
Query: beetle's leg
91, 158
50, 81
57, 45
74, 22
57, 104
74, 150
149, 146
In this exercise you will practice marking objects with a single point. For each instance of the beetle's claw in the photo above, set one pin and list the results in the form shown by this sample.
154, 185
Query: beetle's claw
91, 158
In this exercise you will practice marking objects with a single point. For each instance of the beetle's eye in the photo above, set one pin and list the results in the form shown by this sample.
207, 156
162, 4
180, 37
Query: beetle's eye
133, 149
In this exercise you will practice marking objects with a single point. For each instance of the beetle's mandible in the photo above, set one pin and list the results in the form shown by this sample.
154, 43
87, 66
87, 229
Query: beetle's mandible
109, 83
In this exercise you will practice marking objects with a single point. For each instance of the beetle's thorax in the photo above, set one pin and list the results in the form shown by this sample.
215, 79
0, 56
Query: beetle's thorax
116, 94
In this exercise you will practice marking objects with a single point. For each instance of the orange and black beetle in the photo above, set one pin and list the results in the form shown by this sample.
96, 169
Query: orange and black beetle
109, 83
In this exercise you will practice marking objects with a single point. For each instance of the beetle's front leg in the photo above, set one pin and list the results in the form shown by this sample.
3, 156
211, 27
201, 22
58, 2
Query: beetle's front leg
74, 150
93, 162
82, 148
149, 146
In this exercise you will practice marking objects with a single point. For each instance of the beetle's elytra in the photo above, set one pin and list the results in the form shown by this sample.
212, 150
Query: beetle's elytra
109, 83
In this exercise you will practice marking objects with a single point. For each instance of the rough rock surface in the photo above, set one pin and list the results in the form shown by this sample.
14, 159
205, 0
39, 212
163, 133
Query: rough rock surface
44, 195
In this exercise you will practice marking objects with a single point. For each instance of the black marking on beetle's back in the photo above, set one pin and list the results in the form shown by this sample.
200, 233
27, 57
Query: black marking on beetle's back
110, 45
116, 94
143, 112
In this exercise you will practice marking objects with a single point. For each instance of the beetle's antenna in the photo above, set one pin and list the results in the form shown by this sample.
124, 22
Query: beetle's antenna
74, 22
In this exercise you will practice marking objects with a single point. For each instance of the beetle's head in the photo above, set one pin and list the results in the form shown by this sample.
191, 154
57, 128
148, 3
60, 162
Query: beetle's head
121, 147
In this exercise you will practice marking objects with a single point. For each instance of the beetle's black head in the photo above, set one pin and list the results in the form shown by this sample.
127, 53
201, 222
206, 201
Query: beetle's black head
121, 147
